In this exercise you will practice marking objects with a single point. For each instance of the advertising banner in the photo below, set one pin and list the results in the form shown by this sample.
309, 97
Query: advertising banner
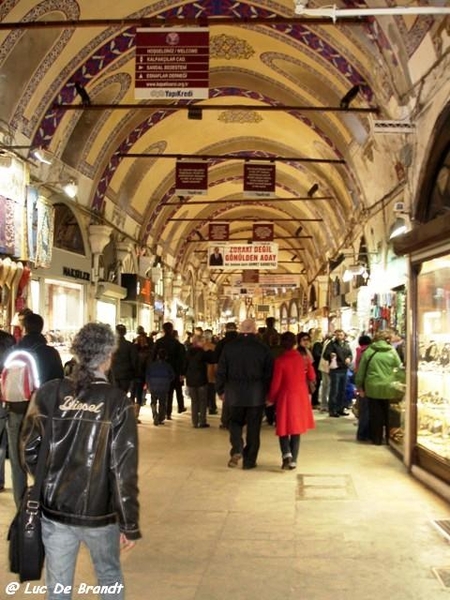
218, 232
243, 256
172, 64
259, 180
191, 178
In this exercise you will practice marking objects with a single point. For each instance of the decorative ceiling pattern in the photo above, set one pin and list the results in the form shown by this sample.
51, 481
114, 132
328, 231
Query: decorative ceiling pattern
268, 71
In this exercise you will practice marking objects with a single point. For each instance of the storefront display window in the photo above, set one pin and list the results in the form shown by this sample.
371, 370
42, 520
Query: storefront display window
433, 369
106, 313
63, 313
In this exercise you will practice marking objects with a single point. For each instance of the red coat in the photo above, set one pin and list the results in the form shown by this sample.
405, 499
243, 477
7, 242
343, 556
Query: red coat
289, 391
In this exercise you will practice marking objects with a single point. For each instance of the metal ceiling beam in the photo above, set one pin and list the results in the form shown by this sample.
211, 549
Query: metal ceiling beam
245, 239
174, 22
250, 219
339, 161
246, 200
255, 107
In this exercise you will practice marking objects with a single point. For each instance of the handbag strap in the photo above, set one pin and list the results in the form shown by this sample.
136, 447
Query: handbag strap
35, 492
367, 366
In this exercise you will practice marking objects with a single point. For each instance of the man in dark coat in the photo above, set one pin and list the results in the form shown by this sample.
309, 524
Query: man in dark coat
176, 357
244, 374
49, 367
231, 334
125, 361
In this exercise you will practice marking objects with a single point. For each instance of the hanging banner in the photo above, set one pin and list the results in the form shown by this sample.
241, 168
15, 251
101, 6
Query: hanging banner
263, 232
243, 256
259, 180
172, 63
191, 178
219, 232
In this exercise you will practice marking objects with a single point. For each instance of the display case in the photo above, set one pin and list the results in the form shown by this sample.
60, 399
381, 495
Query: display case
433, 366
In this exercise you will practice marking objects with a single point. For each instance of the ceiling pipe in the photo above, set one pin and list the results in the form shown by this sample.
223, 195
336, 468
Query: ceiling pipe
338, 161
335, 13
255, 107
161, 22
245, 239
181, 203
251, 219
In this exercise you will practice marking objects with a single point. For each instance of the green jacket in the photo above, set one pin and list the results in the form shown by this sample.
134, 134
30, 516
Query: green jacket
376, 377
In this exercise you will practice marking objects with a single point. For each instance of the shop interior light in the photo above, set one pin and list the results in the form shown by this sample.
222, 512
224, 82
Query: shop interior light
398, 228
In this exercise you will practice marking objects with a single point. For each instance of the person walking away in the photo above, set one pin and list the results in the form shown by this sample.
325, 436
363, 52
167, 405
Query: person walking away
143, 356
269, 330
290, 393
276, 349
6, 342
49, 366
363, 432
231, 334
339, 356
90, 489
176, 357
197, 359
159, 376
124, 363
316, 351
209, 345
375, 376
243, 375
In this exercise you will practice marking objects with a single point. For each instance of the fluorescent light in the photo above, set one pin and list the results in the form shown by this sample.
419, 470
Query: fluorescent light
42, 156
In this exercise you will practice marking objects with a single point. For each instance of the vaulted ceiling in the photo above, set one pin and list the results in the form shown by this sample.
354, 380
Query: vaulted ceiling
254, 63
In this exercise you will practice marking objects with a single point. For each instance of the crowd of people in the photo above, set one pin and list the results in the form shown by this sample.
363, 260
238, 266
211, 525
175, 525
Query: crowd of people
94, 403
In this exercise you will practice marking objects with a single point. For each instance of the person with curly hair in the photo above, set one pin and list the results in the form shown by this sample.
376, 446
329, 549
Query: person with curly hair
90, 492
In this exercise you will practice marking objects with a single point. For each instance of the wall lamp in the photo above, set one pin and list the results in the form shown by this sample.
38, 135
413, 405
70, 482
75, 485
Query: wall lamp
353, 271
398, 228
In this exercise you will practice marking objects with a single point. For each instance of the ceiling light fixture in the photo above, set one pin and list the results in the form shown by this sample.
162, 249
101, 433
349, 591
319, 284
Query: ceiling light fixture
398, 228
43, 156
70, 188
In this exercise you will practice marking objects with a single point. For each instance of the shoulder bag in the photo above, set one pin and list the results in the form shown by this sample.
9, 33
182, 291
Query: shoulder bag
26, 550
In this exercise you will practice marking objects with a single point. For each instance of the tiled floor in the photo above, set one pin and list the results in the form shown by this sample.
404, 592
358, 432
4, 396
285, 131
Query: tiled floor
349, 523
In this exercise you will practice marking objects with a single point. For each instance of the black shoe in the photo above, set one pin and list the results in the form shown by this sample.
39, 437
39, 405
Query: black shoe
213, 412
286, 463
335, 415
204, 425
344, 412
169, 418
182, 410
246, 467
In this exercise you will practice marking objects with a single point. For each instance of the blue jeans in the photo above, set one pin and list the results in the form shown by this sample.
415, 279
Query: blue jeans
199, 404
336, 398
62, 543
290, 445
18, 475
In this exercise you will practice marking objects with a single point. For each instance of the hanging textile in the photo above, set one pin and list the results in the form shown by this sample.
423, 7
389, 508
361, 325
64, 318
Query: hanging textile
6, 225
46, 222
31, 222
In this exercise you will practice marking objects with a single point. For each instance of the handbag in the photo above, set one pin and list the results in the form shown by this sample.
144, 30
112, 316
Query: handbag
26, 550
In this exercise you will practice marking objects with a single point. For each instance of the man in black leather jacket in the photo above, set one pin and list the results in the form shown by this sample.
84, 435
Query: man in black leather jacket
90, 487
243, 375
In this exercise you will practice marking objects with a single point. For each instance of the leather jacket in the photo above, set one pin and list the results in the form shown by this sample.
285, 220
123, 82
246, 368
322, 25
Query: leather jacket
91, 477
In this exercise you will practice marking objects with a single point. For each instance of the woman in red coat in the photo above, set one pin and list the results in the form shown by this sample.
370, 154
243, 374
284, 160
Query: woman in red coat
289, 392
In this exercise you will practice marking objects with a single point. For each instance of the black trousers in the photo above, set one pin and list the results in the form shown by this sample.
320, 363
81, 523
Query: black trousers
378, 420
250, 416
176, 387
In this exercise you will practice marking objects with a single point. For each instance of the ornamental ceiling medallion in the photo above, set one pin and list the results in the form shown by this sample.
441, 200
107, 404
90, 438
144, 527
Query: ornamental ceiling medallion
230, 47
240, 116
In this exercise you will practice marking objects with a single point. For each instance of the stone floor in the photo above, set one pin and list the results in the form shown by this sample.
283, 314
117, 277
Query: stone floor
348, 524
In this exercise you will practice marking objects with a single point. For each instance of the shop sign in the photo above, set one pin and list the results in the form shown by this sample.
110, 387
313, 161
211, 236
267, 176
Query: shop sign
172, 64
263, 232
76, 273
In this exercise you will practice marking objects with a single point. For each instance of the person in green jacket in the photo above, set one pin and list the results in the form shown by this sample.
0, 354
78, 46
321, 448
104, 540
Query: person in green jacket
375, 376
